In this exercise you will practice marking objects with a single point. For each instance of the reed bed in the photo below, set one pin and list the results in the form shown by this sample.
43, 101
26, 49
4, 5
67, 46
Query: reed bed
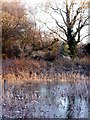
47, 76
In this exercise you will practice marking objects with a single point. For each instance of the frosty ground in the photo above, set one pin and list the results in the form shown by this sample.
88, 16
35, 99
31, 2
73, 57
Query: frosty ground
40, 91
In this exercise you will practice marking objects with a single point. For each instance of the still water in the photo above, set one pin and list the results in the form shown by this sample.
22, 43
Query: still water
46, 101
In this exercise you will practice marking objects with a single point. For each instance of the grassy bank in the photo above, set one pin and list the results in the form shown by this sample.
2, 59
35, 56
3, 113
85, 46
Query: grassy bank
21, 70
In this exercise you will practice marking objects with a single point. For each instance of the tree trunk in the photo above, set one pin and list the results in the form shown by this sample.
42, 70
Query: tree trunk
72, 48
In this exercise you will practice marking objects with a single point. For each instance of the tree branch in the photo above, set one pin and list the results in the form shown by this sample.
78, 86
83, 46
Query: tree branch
81, 26
74, 19
85, 37
59, 11
59, 24
55, 33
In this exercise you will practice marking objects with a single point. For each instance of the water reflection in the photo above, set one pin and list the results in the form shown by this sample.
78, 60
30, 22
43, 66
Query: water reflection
48, 101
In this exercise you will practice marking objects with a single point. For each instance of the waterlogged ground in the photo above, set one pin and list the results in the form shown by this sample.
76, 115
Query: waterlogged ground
46, 100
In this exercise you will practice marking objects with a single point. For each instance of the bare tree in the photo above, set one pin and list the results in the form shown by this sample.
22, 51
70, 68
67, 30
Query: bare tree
70, 22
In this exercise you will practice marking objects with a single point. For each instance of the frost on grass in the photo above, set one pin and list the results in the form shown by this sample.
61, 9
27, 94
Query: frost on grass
47, 100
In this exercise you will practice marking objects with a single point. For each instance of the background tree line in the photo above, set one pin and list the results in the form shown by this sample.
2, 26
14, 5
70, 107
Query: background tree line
22, 38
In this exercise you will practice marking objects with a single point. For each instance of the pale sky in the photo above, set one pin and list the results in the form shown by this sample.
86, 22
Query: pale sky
43, 16
40, 14
34, 1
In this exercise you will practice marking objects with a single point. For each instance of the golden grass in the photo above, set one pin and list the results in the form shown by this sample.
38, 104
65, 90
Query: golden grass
22, 70
41, 78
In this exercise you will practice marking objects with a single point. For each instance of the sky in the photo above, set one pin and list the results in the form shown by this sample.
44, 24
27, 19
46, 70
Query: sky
40, 15
34, 1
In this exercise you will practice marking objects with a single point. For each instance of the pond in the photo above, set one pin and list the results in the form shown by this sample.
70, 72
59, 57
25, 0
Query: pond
46, 101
